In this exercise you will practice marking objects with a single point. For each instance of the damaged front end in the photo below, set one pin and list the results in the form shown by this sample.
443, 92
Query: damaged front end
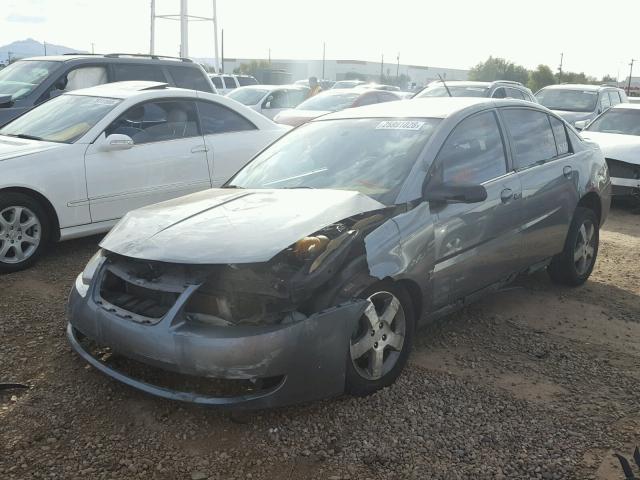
281, 326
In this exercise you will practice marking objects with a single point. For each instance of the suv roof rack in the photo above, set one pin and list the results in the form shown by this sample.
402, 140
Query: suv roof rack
146, 55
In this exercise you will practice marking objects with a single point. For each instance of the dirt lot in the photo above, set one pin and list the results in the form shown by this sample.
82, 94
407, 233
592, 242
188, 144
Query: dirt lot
534, 382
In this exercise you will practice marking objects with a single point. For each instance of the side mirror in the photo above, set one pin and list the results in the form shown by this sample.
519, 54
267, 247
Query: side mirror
118, 141
5, 100
449, 193
267, 102
580, 124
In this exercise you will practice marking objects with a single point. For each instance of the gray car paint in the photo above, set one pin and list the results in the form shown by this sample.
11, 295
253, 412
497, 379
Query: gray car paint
452, 253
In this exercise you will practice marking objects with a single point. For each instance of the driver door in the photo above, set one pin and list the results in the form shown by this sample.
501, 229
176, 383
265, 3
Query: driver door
476, 244
276, 101
167, 159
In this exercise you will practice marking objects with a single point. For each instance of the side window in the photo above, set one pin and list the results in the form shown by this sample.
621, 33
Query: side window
515, 93
560, 134
157, 122
229, 82
474, 152
604, 101
217, 81
215, 118
128, 71
366, 99
278, 99
82, 77
499, 93
190, 77
531, 136
614, 97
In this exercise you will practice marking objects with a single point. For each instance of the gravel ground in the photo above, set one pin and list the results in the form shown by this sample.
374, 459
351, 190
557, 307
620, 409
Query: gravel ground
534, 382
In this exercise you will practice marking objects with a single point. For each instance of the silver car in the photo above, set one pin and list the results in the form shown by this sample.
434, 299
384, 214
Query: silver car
307, 275
579, 103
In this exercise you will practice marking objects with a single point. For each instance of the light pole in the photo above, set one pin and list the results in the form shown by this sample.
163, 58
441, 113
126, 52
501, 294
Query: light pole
630, 75
382, 68
398, 68
560, 67
324, 51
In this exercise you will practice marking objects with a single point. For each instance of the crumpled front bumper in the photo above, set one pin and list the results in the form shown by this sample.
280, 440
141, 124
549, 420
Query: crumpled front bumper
310, 355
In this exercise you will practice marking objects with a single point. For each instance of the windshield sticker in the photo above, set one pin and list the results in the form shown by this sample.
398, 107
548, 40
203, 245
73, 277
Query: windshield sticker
400, 125
105, 101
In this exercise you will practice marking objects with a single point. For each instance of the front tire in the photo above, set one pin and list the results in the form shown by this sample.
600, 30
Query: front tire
574, 265
382, 340
24, 231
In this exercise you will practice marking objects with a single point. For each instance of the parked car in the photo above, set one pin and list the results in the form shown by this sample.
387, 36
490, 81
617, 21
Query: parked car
332, 101
575, 102
634, 99
74, 165
32, 81
617, 131
380, 86
307, 274
324, 83
342, 84
458, 88
227, 83
270, 100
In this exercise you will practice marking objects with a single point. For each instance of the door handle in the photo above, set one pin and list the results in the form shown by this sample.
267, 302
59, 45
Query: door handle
506, 195
199, 149
567, 171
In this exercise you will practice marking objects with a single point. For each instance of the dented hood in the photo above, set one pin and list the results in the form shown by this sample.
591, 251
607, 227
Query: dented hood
625, 148
231, 225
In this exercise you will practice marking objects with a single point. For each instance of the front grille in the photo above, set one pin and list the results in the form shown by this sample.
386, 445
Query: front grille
620, 169
136, 299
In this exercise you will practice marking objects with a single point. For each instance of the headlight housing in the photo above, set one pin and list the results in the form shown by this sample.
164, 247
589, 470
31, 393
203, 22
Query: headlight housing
84, 279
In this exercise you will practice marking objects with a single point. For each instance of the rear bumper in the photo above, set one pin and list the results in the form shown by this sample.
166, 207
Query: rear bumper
309, 355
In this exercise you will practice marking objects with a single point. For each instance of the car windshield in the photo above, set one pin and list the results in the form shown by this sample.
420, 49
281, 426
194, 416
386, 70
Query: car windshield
371, 156
625, 121
456, 91
568, 100
63, 119
247, 95
21, 78
329, 102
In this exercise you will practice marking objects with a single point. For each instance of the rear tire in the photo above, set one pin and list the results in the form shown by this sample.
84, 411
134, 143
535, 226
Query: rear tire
574, 265
24, 231
382, 341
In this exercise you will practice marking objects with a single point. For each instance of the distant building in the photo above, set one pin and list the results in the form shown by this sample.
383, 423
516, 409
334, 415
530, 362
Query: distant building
344, 69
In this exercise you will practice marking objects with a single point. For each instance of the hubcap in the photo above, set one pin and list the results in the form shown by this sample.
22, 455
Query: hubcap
377, 343
584, 249
20, 234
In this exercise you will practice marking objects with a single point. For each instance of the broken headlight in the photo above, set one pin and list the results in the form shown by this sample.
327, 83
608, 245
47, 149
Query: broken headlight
84, 279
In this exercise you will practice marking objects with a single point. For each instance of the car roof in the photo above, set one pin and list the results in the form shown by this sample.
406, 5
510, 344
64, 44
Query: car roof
578, 86
124, 89
436, 107
115, 58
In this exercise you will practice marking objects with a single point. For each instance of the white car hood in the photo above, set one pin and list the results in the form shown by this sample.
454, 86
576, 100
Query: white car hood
12, 147
221, 226
625, 148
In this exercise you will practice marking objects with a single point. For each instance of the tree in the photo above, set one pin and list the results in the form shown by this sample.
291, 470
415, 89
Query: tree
573, 77
252, 67
498, 69
609, 79
540, 77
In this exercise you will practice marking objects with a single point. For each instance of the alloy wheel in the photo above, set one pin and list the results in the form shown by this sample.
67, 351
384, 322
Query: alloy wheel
584, 249
20, 234
378, 341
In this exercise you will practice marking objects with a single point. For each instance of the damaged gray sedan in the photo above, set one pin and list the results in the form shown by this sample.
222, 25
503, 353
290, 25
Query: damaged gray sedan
308, 273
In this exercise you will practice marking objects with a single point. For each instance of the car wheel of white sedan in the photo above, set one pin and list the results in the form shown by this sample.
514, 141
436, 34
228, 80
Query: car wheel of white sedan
23, 231
382, 340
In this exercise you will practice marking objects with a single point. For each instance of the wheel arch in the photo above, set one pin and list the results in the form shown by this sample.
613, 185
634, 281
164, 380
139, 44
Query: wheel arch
46, 204
591, 200
415, 293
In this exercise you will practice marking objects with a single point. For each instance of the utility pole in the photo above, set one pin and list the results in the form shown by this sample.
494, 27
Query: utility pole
324, 51
560, 67
44, 44
630, 74
398, 68
9, 57
215, 34
92, 48
152, 37
184, 29
269, 57
222, 58
382, 68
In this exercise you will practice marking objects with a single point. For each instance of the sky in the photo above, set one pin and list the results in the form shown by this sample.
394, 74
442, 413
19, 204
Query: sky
595, 38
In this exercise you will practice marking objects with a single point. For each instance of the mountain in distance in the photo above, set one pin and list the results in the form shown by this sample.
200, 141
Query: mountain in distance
33, 48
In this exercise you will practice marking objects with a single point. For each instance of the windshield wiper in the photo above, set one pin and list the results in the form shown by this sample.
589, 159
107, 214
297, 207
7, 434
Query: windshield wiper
231, 186
22, 135
299, 186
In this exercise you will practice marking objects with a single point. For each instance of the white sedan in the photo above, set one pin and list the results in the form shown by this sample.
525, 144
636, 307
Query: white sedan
74, 165
270, 100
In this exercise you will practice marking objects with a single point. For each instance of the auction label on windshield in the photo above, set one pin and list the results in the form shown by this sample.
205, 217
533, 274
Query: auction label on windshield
400, 125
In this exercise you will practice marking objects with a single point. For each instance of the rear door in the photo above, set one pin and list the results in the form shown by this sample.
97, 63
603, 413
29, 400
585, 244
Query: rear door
543, 161
476, 244
167, 160
231, 139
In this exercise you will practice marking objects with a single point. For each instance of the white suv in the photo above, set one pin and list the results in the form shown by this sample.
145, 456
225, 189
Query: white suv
225, 83
75, 164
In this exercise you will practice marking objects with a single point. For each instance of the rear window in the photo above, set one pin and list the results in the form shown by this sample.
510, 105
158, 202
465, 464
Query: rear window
217, 81
190, 77
244, 81
229, 82
123, 72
